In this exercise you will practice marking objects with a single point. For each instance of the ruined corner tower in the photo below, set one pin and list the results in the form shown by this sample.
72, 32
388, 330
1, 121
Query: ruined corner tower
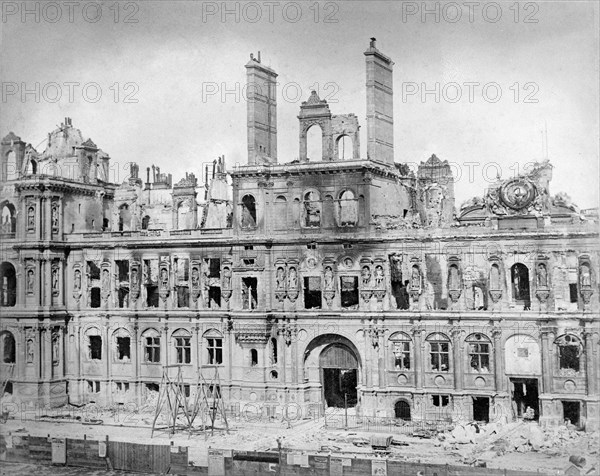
262, 112
380, 108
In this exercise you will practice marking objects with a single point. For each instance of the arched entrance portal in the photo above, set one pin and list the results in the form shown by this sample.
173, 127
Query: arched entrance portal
402, 410
339, 375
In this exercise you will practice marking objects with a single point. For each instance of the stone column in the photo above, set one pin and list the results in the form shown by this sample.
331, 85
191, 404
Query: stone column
268, 282
499, 377
457, 353
47, 228
547, 337
418, 354
591, 361
135, 362
47, 364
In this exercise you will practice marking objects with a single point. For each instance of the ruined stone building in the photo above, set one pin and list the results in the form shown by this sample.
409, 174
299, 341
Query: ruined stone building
303, 281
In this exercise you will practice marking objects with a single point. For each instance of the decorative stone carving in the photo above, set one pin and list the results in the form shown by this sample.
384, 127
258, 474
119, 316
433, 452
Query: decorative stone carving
292, 284
134, 290
495, 295
163, 290
518, 193
195, 281
280, 283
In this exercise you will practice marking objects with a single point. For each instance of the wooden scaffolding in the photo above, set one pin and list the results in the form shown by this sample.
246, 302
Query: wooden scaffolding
181, 411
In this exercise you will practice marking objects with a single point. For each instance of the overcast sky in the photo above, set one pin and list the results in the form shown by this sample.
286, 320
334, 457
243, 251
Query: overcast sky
541, 56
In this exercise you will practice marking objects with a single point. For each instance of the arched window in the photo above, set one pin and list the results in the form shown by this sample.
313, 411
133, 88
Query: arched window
479, 352
8, 281
11, 166
145, 222
570, 351
400, 342
495, 277
402, 410
453, 278
348, 209
274, 351
344, 148
214, 346
439, 352
151, 343
520, 285
122, 345
248, 212
312, 209
124, 217
314, 143
253, 357
7, 341
9, 220
183, 215
183, 346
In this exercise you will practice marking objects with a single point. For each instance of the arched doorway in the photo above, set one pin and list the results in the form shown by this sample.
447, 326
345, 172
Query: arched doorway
402, 410
339, 375
519, 275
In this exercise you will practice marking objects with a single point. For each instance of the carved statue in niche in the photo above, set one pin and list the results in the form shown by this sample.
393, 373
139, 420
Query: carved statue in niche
312, 209
379, 278
77, 280
55, 347
105, 280
55, 279
415, 279
195, 277
30, 281
366, 276
134, 278
292, 279
454, 282
31, 218
164, 278
55, 217
328, 279
30, 351
247, 218
280, 278
585, 275
542, 275
495, 277
226, 278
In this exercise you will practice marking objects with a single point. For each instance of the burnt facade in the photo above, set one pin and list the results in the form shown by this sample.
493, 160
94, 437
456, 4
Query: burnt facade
304, 282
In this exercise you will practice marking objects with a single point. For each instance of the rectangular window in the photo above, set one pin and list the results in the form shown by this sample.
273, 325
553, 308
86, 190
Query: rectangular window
214, 297
123, 272
440, 361
95, 348
248, 261
123, 295
215, 351
214, 268
569, 357
183, 348
402, 355
183, 296
573, 292
122, 387
440, 400
312, 292
249, 293
123, 348
93, 386
152, 296
152, 350
95, 299
479, 356
349, 291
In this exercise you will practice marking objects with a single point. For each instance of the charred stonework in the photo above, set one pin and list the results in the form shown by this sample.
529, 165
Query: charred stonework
303, 281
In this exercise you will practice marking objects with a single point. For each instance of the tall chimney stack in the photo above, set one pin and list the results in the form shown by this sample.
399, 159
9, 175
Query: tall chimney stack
380, 105
261, 112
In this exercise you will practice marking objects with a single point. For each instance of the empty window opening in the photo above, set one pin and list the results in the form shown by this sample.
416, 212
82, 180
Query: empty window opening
253, 357
122, 387
274, 351
440, 400
214, 268
248, 207
479, 353
402, 410
481, 409
123, 297
349, 291
248, 261
152, 296
311, 246
520, 285
183, 296
249, 293
8, 281
93, 386
569, 351
8, 388
95, 299
95, 347
215, 351
347, 246
8, 348
571, 412
312, 292
145, 222
440, 356
248, 247
573, 292
314, 143
214, 297
152, 387
344, 148
123, 348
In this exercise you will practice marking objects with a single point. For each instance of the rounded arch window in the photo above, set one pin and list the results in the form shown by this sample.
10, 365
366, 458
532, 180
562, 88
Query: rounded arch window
182, 343
122, 344
9, 220
401, 350
439, 352
348, 208
248, 211
312, 208
151, 343
570, 351
344, 147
